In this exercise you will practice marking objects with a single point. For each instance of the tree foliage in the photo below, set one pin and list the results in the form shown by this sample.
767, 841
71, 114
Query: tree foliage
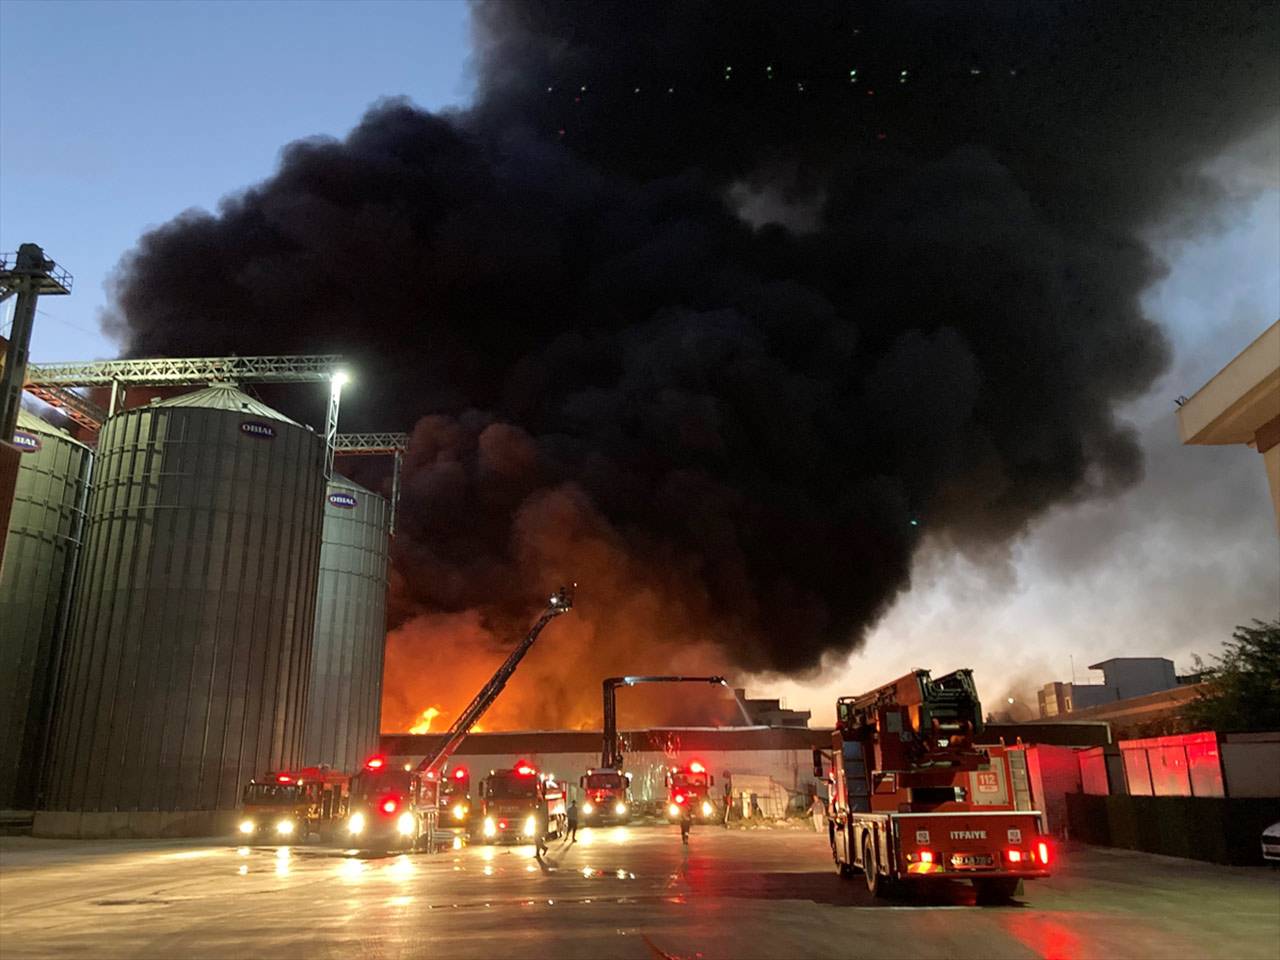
1243, 692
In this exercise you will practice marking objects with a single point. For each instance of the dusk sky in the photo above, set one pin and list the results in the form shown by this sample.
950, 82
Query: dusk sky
126, 114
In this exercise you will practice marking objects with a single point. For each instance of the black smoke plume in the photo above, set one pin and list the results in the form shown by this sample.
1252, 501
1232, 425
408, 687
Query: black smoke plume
737, 300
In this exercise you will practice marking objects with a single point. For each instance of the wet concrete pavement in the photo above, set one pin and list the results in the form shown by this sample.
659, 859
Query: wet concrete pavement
619, 892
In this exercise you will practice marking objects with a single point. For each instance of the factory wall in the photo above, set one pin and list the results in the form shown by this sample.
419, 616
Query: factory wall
344, 703
189, 650
42, 544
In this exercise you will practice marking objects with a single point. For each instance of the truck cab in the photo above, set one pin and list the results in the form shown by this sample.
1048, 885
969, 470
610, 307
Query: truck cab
689, 789
387, 809
521, 805
288, 807
606, 796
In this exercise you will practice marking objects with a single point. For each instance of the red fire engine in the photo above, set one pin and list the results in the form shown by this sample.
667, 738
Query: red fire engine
387, 806
689, 787
912, 799
289, 807
521, 805
606, 796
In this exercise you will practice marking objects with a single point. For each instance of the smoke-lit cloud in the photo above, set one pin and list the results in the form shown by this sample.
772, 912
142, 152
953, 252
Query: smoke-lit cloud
621, 372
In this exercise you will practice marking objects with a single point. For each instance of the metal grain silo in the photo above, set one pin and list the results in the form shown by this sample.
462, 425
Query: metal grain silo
344, 704
44, 535
190, 641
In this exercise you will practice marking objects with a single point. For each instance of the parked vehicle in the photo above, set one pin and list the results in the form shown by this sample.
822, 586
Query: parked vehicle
913, 800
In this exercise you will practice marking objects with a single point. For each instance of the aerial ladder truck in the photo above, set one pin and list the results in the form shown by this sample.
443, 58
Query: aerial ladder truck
398, 808
913, 799
607, 789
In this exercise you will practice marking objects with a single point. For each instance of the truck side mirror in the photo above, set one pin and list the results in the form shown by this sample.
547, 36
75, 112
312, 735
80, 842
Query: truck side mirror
582, 782
711, 781
817, 762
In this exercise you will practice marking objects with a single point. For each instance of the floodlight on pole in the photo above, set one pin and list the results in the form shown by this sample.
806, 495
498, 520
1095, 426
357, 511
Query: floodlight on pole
337, 381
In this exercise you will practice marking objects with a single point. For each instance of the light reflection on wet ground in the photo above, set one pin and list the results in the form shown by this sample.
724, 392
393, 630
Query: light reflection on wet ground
622, 891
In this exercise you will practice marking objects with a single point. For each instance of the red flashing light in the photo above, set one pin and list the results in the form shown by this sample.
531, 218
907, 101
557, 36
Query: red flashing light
460, 773
697, 767
926, 856
525, 768
389, 805
283, 778
1043, 849
679, 798
375, 763
1013, 856
502, 824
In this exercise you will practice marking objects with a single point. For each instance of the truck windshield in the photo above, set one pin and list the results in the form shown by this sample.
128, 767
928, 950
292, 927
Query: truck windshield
604, 781
689, 780
512, 788
271, 793
387, 781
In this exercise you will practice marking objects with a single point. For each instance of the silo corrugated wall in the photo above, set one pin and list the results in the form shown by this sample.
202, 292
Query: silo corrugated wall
45, 530
190, 641
344, 705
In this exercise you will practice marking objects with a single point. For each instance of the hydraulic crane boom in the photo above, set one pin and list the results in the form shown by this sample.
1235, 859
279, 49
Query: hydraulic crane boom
611, 755
917, 721
561, 602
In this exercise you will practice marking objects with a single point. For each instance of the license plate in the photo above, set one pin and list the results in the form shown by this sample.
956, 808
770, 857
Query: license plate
963, 861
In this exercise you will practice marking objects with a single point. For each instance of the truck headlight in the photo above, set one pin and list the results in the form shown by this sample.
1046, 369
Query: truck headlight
620, 809
355, 826
284, 828
459, 811
406, 824
673, 810
490, 828
246, 826
706, 808
588, 808
530, 826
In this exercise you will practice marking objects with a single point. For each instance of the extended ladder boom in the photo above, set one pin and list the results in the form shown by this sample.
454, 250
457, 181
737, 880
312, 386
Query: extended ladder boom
611, 755
561, 602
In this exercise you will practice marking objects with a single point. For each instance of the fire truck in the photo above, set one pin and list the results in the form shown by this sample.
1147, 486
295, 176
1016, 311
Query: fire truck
521, 805
398, 808
912, 799
607, 788
689, 787
387, 807
606, 797
289, 807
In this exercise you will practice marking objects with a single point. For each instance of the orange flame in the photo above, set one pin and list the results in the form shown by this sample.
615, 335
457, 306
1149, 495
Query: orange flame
632, 617
424, 720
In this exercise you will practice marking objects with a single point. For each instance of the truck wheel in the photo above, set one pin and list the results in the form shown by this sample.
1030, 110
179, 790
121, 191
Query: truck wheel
877, 886
996, 889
